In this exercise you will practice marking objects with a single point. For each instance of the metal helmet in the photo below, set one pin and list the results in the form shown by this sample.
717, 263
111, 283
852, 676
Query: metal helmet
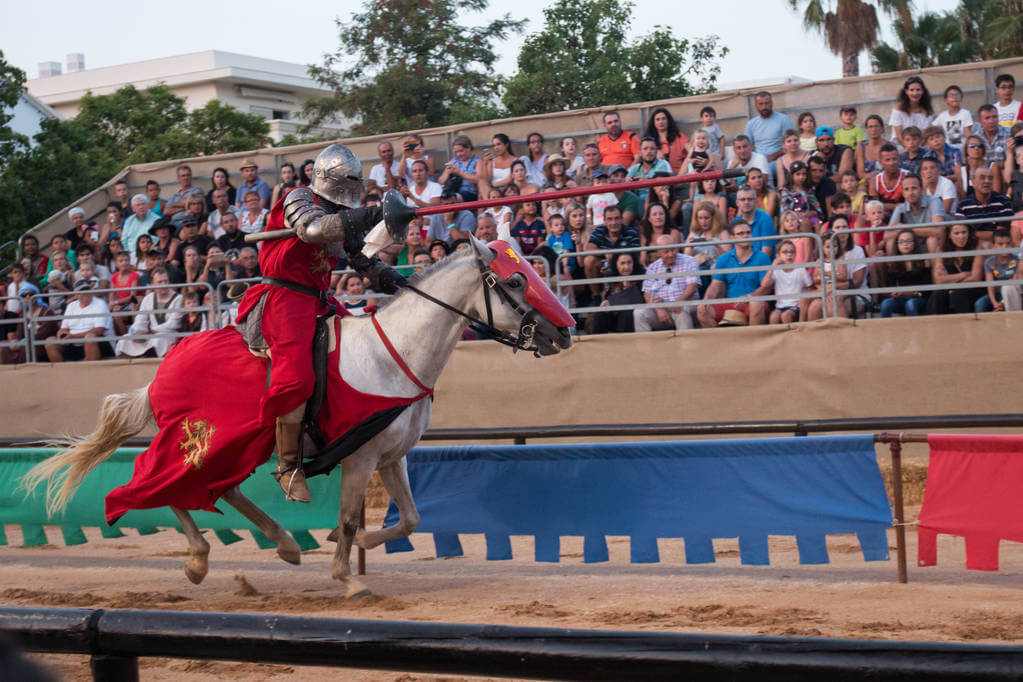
337, 176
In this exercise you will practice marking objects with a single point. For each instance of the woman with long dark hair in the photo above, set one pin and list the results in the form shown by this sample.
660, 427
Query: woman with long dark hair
289, 179
953, 269
672, 143
496, 163
305, 174
221, 180
906, 273
655, 223
619, 293
912, 108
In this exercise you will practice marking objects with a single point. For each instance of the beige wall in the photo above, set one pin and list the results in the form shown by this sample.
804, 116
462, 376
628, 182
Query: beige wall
961, 364
872, 94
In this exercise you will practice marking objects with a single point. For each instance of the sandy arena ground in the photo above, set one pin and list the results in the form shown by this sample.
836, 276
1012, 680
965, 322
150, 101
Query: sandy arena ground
846, 598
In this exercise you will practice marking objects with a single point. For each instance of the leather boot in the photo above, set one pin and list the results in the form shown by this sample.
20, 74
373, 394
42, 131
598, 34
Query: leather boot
289, 469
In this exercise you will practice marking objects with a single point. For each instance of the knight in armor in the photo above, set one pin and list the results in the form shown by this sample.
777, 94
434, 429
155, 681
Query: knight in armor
278, 315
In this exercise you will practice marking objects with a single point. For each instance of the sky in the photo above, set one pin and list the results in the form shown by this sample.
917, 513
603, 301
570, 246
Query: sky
765, 37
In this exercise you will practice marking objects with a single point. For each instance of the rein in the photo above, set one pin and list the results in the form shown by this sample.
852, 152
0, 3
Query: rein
491, 281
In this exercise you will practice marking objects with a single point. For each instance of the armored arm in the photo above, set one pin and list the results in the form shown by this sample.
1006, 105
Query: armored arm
313, 224
382, 276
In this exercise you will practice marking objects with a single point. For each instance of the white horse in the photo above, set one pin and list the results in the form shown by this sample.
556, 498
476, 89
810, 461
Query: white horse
486, 282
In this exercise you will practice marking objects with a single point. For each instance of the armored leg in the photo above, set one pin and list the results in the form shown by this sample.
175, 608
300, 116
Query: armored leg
289, 467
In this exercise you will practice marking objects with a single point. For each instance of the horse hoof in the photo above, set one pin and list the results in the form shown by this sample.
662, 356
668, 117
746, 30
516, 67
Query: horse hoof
195, 575
356, 590
289, 555
335, 535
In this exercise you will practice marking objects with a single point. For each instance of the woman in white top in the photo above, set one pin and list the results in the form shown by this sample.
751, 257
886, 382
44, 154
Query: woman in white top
254, 217
159, 312
497, 163
913, 108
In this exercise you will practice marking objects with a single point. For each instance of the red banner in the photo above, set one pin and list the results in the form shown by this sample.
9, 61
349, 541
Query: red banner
974, 484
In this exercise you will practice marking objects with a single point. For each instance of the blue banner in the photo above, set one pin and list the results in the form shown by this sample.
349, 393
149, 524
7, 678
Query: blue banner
698, 490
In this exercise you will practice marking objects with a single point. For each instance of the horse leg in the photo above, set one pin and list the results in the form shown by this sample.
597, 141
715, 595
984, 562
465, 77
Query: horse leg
355, 475
395, 479
196, 567
287, 548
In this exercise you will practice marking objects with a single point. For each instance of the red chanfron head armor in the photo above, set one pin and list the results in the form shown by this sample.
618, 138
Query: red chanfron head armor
507, 262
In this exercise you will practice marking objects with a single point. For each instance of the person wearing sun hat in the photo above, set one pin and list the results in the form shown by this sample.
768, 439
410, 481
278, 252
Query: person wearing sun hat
555, 170
252, 183
86, 317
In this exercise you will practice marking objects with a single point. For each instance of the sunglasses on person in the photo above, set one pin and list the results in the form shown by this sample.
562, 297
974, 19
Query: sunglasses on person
974, 145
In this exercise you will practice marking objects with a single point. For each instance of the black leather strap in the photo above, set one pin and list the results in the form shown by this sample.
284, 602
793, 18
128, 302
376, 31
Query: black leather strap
295, 286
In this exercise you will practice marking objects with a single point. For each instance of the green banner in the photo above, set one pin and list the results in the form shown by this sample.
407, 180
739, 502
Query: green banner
86, 507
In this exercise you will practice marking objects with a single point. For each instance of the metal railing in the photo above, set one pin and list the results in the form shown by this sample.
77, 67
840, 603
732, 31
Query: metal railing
116, 638
29, 319
710, 272
866, 291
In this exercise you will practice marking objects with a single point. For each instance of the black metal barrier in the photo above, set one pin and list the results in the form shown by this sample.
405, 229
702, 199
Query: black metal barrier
800, 427
116, 638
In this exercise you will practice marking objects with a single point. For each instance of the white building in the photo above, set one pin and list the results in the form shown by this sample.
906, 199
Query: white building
273, 89
28, 114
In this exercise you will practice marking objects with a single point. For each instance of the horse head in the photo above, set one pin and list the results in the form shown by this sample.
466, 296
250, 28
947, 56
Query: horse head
515, 297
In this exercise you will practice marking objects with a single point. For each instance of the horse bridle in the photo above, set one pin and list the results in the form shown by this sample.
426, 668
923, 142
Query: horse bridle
524, 340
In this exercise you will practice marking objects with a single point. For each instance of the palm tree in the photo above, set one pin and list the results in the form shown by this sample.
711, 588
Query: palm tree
850, 26
931, 40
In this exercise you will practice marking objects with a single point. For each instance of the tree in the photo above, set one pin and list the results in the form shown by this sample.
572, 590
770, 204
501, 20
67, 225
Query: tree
851, 26
931, 39
415, 66
996, 25
975, 30
71, 158
12, 83
139, 126
583, 58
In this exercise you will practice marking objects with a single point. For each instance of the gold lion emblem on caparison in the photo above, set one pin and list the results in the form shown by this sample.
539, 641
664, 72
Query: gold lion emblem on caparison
196, 444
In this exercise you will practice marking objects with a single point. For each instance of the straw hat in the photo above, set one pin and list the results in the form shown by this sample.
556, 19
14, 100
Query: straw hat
552, 158
733, 318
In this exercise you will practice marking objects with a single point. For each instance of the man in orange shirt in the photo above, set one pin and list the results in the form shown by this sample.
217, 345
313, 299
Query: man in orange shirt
618, 147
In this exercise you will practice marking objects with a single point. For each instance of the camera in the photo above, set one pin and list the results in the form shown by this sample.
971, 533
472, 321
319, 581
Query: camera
1018, 139
410, 146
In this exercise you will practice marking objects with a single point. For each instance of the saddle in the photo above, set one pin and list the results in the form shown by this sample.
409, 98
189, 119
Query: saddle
326, 455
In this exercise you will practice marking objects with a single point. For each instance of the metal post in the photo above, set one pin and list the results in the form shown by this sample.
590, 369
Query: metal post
834, 276
108, 668
900, 515
362, 526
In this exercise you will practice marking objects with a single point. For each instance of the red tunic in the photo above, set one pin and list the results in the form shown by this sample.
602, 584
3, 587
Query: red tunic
289, 317
212, 439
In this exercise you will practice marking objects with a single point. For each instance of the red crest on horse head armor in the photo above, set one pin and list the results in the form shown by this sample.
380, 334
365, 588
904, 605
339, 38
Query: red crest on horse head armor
507, 262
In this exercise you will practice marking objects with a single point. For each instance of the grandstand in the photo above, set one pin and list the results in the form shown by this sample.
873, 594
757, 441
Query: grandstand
918, 342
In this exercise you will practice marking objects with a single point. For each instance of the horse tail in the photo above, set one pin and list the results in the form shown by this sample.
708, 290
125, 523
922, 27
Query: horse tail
123, 415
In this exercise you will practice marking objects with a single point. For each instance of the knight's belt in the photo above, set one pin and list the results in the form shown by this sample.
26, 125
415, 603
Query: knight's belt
295, 286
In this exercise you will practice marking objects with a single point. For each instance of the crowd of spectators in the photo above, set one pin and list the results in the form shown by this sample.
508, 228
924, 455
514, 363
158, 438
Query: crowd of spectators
901, 174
